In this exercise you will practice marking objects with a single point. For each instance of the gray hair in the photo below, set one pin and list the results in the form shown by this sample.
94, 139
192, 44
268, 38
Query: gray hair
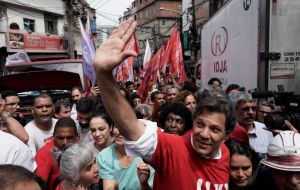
240, 97
146, 107
73, 159
171, 87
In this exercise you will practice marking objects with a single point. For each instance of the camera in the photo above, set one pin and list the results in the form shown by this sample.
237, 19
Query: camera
290, 109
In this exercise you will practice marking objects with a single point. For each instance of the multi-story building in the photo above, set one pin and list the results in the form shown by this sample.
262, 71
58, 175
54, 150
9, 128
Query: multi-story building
155, 19
103, 32
20, 19
40, 28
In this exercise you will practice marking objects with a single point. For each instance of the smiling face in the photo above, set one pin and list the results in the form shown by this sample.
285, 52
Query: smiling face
208, 133
43, 110
119, 139
100, 131
240, 170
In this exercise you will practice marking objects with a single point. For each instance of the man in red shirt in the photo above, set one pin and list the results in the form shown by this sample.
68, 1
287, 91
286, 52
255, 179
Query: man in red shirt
65, 132
196, 160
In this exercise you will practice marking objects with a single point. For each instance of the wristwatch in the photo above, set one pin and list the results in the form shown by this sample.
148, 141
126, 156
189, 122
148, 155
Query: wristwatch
5, 116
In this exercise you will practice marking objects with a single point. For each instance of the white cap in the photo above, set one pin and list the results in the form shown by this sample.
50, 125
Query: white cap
284, 152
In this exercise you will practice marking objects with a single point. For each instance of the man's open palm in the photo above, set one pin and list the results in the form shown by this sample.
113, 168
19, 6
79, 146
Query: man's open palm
111, 53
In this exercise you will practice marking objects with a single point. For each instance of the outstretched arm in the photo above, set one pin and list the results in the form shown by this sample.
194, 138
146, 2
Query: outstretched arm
110, 54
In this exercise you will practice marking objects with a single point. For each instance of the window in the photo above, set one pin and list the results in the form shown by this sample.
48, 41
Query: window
28, 25
163, 22
141, 1
50, 24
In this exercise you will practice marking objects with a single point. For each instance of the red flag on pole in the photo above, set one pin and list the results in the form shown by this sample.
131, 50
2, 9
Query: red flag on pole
126, 66
176, 57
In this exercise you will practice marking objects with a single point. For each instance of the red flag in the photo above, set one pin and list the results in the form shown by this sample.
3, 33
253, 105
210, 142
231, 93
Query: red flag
174, 53
155, 63
176, 57
144, 86
126, 66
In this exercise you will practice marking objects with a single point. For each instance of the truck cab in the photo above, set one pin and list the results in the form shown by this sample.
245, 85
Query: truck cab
54, 77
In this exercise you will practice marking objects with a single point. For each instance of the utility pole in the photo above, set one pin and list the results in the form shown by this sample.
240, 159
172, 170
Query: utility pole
154, 36
70, 18
194, 31
212, 8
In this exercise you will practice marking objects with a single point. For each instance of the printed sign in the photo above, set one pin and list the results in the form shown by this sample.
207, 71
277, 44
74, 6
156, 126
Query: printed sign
16, 41
230, 45
282, 71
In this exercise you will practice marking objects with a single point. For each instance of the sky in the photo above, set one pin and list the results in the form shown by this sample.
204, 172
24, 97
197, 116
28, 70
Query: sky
108, 11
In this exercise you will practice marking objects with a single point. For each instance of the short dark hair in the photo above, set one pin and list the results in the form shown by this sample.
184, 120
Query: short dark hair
153, 94
212, 80
128, 83
176, 108
41, 96
61, 103
85, 105
134, 96
232, 87
12, 175
187, 85
77, 88
218, 105
64, 123
7, 93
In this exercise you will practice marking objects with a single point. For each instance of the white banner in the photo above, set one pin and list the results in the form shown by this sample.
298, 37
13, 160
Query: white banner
229, 45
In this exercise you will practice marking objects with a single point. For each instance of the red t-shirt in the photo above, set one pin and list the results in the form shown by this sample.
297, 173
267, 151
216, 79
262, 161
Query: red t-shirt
178, 166
58, 187
47, 167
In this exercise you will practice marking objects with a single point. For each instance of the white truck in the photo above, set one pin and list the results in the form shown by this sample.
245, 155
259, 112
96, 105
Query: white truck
254, 43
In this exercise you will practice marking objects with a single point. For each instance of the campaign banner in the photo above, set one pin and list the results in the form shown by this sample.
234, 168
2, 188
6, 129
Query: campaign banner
229, 45
16, 41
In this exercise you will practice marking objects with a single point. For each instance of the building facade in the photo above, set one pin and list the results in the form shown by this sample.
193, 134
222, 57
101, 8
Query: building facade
155, 20
32, 26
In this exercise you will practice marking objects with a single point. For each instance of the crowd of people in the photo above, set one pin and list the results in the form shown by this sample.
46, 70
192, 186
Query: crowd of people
182, 137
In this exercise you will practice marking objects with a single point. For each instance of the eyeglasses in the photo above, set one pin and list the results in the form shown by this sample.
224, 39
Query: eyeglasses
253, 108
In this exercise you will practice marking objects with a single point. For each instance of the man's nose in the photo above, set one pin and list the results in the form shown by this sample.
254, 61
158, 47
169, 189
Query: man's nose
205, 132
